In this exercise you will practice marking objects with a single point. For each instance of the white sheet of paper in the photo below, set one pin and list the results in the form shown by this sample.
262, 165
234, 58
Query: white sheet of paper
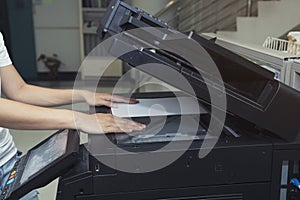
159, 107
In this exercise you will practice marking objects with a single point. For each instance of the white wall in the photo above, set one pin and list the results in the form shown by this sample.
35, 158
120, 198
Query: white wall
274, 19
57, 31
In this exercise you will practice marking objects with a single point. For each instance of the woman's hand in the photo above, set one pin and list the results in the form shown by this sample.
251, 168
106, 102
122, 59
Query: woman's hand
98, 99
105, 123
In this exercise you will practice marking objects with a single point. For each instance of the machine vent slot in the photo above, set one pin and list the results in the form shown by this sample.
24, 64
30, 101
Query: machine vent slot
210, 197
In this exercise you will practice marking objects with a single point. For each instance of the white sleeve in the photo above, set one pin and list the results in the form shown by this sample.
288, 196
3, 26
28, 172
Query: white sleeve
4, 57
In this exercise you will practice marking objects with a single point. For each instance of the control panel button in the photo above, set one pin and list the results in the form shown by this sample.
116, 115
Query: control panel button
10, 181
13, 173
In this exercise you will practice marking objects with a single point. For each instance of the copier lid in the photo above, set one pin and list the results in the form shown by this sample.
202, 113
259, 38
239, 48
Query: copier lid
251, 91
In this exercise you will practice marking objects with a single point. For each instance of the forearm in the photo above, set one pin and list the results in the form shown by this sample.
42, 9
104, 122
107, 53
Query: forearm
17, 115
39, 96
14, 87
22, 116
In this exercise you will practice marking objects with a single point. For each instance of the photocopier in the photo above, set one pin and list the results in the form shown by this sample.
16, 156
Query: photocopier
256, 156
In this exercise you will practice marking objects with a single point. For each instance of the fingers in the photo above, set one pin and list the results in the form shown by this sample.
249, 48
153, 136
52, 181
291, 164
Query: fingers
109, 100
119, 99
129, 124
97, 99
116, 129
107, 103
109, 123
124, 100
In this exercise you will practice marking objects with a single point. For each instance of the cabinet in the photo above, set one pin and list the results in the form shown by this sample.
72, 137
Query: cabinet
91, 13
20, 37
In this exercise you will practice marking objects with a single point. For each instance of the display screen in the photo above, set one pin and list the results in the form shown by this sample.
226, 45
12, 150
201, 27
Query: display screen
45, 154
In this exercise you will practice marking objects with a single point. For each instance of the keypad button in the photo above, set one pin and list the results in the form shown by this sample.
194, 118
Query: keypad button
13, 173
10, 181
12, 176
